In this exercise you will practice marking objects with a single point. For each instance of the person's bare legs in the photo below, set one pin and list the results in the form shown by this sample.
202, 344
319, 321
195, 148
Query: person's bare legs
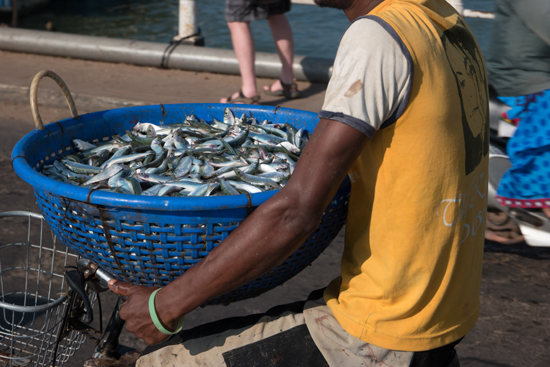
243, 44
282, 35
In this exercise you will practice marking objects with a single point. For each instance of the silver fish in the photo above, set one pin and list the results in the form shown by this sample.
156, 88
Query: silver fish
243, 186
255, 180
106, 174
83, 145
153, 190
129, 158
131, 185
183, 167
81, 168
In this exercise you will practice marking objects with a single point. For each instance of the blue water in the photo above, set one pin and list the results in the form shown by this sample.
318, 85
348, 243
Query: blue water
316, 31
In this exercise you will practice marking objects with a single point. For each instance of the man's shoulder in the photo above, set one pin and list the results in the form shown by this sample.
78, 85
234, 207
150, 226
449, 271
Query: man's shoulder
369, 31
366, 25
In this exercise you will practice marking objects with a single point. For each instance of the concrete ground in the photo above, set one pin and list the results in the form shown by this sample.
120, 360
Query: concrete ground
513, 328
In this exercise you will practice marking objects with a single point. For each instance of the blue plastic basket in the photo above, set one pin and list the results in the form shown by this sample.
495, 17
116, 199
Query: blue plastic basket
153, 240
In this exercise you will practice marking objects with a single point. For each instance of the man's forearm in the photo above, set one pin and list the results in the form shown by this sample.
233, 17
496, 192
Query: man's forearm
269, 236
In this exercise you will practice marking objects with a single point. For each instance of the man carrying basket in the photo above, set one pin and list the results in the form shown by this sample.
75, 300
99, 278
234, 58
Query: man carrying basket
406, 116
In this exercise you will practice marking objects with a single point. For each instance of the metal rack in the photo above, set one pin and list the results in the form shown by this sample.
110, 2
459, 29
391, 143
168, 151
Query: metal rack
34, 297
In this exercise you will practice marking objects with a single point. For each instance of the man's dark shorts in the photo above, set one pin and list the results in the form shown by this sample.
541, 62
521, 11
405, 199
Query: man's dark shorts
246, 11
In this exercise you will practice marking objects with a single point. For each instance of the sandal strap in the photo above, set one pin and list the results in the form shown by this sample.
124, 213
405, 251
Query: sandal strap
290, 86
290, 91
242, 98
253, 99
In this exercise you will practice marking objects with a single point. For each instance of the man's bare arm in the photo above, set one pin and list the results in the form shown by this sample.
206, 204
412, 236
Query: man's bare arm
264, 240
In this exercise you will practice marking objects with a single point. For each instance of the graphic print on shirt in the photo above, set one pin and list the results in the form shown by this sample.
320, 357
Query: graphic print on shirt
466, 63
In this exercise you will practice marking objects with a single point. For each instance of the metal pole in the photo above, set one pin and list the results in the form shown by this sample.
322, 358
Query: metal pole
15, 10
108, 345
187, 18
183, 56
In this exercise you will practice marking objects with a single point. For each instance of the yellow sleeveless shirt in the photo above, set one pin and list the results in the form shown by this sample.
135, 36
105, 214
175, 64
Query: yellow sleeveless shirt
411, 266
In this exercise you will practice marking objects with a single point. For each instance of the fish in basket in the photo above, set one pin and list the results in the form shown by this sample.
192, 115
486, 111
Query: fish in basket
191, 158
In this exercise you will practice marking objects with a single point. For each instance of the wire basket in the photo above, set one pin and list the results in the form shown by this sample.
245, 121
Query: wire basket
33, 294
154, 240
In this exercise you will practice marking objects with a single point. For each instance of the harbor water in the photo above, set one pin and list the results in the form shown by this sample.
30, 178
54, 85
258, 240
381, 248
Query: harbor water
316, 31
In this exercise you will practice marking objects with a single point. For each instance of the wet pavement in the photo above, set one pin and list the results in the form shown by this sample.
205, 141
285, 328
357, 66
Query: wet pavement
514, 325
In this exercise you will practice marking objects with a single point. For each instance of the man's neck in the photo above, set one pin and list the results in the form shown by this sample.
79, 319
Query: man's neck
360, 8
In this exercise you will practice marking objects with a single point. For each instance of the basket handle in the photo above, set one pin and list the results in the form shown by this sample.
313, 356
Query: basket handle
33, 96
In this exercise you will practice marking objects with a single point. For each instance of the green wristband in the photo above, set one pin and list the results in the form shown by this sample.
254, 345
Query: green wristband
155, 318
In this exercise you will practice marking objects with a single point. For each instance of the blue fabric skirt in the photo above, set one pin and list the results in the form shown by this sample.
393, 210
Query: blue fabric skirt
527, 183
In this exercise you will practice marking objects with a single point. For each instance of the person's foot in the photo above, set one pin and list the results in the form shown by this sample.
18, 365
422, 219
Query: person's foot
274, 89
227, 99
279, 89
240, 98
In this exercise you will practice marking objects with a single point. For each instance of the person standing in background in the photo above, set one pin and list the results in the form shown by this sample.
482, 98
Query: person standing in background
238, 14
519, 70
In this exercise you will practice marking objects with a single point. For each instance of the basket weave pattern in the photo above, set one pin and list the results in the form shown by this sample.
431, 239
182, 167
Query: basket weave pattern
156, 250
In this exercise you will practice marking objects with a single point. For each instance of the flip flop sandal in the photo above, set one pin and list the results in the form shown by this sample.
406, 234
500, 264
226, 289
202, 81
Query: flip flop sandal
504, 237
244, 100
289, 91
276, 93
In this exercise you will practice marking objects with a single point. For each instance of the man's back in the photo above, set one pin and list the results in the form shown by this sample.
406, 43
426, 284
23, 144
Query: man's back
414, 238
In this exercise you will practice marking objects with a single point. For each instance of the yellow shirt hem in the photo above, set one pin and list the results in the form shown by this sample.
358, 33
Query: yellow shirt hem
401, 342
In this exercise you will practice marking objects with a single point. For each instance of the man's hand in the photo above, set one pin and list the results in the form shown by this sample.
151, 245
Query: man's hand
136, 312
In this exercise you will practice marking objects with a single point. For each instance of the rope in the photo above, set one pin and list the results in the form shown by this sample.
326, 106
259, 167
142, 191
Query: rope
172, 46
108, 238
90, 194
249, 208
